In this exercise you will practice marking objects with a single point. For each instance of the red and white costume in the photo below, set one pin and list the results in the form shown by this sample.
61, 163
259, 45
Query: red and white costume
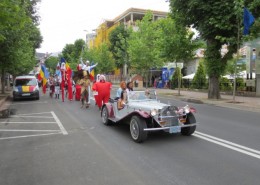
95, 93
103, 88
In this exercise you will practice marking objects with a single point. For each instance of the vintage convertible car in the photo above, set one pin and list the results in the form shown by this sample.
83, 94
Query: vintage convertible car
145, 113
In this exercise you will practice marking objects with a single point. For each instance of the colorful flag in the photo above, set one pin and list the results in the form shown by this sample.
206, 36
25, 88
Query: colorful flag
43, 75
248, 21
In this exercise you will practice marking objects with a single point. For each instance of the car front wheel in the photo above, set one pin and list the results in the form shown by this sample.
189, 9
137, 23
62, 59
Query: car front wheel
137, 126
104, 115
187, 131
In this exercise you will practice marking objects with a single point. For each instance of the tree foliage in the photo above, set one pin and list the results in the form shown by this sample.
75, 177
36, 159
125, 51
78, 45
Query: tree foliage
175, 78
73, 52
19, 37
219, 22
106, 63
142, 47
51, 64
176, 42
199, 81
118, 45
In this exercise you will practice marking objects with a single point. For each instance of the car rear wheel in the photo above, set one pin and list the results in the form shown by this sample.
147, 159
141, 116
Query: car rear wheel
137, 126
104, 115
187, 131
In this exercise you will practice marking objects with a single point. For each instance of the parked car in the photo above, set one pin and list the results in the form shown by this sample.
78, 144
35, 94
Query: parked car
145, 113
26, 87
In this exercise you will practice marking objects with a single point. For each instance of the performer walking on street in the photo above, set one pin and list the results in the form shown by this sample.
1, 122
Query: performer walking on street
103, 88
85, 84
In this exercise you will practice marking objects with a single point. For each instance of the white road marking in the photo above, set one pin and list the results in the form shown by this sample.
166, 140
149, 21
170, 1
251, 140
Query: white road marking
33, 113
28, 103
17, 137
30, 117
20, 130
228, 144
27, 122
63, 130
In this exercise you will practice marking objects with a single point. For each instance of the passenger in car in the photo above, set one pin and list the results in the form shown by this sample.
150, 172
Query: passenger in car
120, 89
122, 100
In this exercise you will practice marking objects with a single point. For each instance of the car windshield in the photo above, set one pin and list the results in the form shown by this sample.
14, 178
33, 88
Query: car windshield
26, 81
142, 95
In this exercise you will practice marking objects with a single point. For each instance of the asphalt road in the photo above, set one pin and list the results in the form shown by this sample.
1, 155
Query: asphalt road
52, 142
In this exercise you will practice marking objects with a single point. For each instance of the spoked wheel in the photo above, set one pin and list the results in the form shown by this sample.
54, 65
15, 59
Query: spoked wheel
104, 115
187, 131
137, 126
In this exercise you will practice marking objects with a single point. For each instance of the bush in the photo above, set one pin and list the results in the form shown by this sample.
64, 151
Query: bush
199, 81
240, 84
174, 80
225, 84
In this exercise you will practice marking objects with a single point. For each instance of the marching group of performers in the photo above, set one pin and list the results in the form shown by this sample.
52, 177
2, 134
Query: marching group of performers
85, 83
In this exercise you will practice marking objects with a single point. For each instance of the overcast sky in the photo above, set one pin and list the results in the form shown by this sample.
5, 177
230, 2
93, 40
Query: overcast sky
64, 21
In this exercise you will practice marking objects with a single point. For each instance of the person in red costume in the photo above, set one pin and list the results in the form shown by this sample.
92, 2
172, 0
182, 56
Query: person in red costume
69, 82
103, 88
95, 93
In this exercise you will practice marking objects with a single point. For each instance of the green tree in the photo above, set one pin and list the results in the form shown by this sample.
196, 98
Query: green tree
142, 49
176, 42
118, 46
105, 60
73, 52
199, 81
216, 27
175, 78
51, 64
19, 37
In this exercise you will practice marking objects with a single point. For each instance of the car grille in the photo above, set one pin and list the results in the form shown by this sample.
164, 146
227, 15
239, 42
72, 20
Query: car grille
168, 117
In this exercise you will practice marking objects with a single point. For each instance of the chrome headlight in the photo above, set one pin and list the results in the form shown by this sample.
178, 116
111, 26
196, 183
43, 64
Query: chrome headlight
153, 112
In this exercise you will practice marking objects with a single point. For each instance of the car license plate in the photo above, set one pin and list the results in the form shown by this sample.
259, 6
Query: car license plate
175, 129
26, 94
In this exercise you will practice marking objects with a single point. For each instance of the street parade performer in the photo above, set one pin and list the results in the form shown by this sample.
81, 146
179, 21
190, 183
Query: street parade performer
85, 83
95, 93
65, 79
89, 68
103, 88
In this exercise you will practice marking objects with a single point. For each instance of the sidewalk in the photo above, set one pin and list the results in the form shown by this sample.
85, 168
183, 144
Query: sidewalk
4, 98
241, 102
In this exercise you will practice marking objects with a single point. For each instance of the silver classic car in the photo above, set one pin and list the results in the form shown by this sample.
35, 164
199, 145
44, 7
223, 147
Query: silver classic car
145, 113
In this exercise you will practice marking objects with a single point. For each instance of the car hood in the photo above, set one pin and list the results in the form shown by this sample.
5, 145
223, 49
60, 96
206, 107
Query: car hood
147, 105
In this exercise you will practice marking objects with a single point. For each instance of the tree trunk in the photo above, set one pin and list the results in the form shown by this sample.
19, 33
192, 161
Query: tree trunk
3, 81
213, 92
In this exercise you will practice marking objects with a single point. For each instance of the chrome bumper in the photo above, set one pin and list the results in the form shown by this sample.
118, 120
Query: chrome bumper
168, 128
